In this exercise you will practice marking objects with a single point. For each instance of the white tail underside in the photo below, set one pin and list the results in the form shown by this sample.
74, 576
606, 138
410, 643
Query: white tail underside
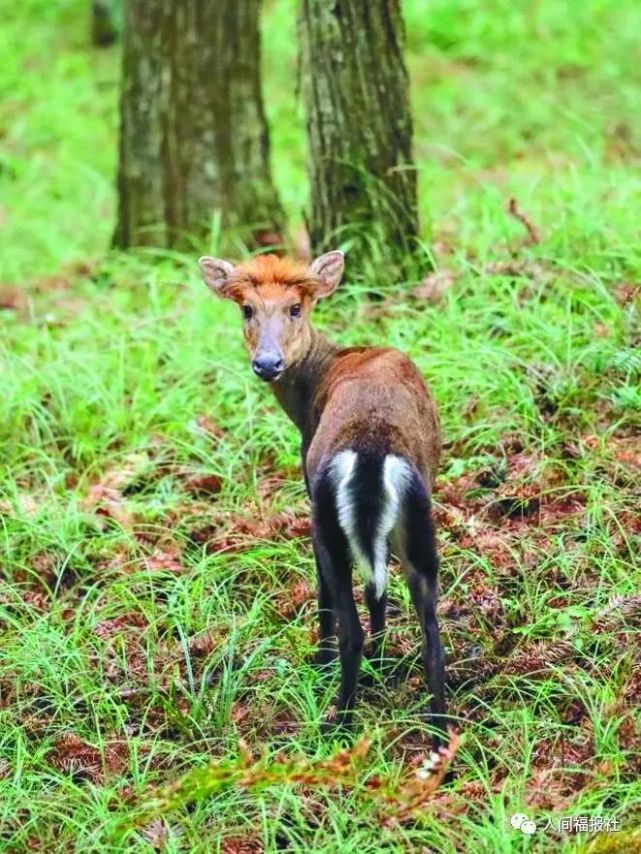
396, 476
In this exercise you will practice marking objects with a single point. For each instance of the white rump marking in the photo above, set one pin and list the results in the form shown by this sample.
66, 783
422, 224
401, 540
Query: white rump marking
342, 470
396, 477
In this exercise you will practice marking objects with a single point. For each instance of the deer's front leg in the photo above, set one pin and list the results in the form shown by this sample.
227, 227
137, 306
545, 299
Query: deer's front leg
326, 651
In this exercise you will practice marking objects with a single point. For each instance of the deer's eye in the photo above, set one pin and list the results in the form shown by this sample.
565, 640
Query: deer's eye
248, 312
295, 310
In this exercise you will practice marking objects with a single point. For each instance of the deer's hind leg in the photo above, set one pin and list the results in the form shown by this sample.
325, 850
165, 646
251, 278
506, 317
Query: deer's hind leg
418, 552
335, 566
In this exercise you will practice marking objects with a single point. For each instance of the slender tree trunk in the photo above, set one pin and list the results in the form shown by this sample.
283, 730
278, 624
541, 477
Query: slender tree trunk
359, 128
104, 23
193, 137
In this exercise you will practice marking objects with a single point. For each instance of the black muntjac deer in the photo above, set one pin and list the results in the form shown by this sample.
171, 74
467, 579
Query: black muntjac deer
371, 444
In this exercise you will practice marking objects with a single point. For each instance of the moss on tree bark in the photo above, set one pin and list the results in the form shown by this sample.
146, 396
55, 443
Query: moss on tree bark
359, 129
194, 137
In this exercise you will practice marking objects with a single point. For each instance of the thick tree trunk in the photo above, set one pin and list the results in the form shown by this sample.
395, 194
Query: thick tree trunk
359, 129
193, 138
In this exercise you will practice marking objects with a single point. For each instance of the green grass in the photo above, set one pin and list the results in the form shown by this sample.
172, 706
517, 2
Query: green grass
146, 627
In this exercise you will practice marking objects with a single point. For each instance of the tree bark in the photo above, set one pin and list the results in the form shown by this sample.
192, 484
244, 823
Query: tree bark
359, 127
104, 24
193, 140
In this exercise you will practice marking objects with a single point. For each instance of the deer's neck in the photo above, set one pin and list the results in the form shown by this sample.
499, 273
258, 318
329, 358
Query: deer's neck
296, 391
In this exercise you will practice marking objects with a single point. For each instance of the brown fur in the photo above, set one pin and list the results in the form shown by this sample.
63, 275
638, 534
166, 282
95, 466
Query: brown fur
373, 401
266, 270
375, 397
338, 397
270, 285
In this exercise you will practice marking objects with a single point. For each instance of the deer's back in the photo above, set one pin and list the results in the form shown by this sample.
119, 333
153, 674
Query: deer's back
375, 399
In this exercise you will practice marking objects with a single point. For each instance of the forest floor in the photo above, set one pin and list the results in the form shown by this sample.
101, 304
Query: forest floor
157, 585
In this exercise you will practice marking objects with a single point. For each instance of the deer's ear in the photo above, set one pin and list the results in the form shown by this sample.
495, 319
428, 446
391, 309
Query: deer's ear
328, 268
216, 274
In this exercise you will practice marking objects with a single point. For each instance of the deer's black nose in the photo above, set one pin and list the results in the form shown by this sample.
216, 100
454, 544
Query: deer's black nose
268, 366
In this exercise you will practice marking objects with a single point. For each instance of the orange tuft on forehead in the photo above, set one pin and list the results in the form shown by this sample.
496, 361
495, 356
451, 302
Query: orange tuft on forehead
275, 271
